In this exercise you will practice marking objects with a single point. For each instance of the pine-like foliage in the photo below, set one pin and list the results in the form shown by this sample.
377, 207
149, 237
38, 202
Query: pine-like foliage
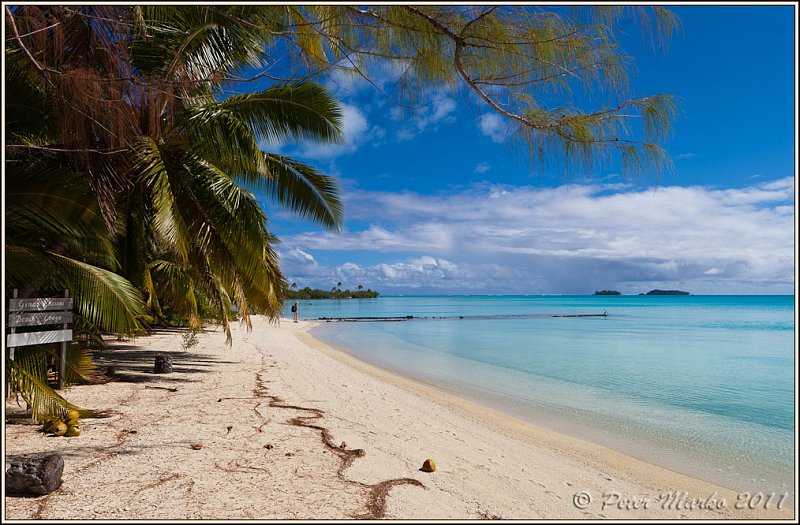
557, 75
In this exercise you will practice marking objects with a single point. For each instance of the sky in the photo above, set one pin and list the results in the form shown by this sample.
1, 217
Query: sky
441, 200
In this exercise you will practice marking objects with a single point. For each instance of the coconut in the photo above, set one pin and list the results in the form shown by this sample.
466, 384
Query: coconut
60, 429
73, 422
73, 431
428, 466
73, 414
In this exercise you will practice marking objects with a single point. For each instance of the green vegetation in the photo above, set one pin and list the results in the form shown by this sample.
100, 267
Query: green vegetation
335, 293
523, 62
131, 168
665, 292
127, 175
608, 292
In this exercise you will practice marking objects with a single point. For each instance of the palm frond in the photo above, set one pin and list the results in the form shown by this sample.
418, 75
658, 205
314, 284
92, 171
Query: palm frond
304, 190
27, 374
304, 110
78, 366
153, 170
178, 285
103, 297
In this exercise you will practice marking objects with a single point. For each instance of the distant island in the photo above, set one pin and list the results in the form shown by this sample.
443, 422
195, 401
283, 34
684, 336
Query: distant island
608, 292
334, 293
665, 292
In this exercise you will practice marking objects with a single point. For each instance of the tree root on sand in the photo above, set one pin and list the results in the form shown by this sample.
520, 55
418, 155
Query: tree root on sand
375, 506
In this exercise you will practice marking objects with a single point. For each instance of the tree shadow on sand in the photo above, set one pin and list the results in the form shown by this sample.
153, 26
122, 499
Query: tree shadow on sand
127, 363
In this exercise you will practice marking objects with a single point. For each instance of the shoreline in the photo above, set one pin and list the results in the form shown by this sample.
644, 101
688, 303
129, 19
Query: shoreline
293, 428
551, 421
598, 455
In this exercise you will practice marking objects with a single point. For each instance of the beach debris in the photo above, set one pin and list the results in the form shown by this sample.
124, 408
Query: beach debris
289, 454
34, 474
197, 446
130, 431
163, 364
170, 389
73, 424
49, 425
360, 452
60, 429
268, 446
230, 427
428, 465
343, 445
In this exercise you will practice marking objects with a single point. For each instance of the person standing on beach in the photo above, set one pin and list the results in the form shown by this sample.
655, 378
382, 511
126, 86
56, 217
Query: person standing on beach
294, 311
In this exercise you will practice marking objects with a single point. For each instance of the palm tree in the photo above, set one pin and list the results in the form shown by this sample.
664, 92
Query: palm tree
173, 167
55, 239
127, 172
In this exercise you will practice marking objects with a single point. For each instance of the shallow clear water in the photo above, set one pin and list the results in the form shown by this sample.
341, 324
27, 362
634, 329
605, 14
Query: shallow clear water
700, 384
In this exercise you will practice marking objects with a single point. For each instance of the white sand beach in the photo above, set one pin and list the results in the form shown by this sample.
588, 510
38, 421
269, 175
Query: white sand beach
291, 428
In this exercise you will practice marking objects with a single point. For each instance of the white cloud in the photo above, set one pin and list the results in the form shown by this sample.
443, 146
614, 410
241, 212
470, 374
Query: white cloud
415, 121
574, 239
493, 126
482, 168
346, 80
687, 155
354, 128
426, 272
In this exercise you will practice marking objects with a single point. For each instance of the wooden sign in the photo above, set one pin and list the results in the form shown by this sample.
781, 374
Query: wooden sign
37, 311
39, 318
38, 338
40, 304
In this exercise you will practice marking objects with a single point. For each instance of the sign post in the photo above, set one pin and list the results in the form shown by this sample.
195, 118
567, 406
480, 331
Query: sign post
62, 368
38, 312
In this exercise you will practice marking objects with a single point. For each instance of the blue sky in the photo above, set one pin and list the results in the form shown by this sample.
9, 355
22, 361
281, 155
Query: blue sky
441, 201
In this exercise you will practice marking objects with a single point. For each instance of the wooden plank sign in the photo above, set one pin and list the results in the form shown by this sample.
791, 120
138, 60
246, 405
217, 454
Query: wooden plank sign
41, 304
39, 318
38, 338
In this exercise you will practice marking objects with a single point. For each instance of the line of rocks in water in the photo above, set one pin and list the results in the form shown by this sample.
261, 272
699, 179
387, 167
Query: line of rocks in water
390, 319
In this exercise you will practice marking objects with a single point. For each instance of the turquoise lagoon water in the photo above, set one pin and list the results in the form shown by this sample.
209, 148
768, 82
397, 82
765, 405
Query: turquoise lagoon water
700, 384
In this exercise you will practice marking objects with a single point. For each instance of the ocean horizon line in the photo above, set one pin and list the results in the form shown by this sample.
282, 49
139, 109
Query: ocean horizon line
575, 295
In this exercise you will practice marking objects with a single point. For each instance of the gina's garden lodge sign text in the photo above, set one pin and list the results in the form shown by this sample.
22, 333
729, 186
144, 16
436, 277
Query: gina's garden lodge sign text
40, 311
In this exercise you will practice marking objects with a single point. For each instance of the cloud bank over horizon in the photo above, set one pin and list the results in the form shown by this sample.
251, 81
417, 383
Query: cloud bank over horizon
570, 239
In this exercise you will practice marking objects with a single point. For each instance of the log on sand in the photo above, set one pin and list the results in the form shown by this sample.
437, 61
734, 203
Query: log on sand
34, 474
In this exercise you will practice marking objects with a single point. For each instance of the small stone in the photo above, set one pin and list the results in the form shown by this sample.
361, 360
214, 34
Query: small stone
428, 466
268, 446
163, 364
197, 446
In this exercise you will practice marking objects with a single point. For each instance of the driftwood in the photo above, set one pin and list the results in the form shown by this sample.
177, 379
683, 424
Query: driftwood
34, 474
162, 388
163, 364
